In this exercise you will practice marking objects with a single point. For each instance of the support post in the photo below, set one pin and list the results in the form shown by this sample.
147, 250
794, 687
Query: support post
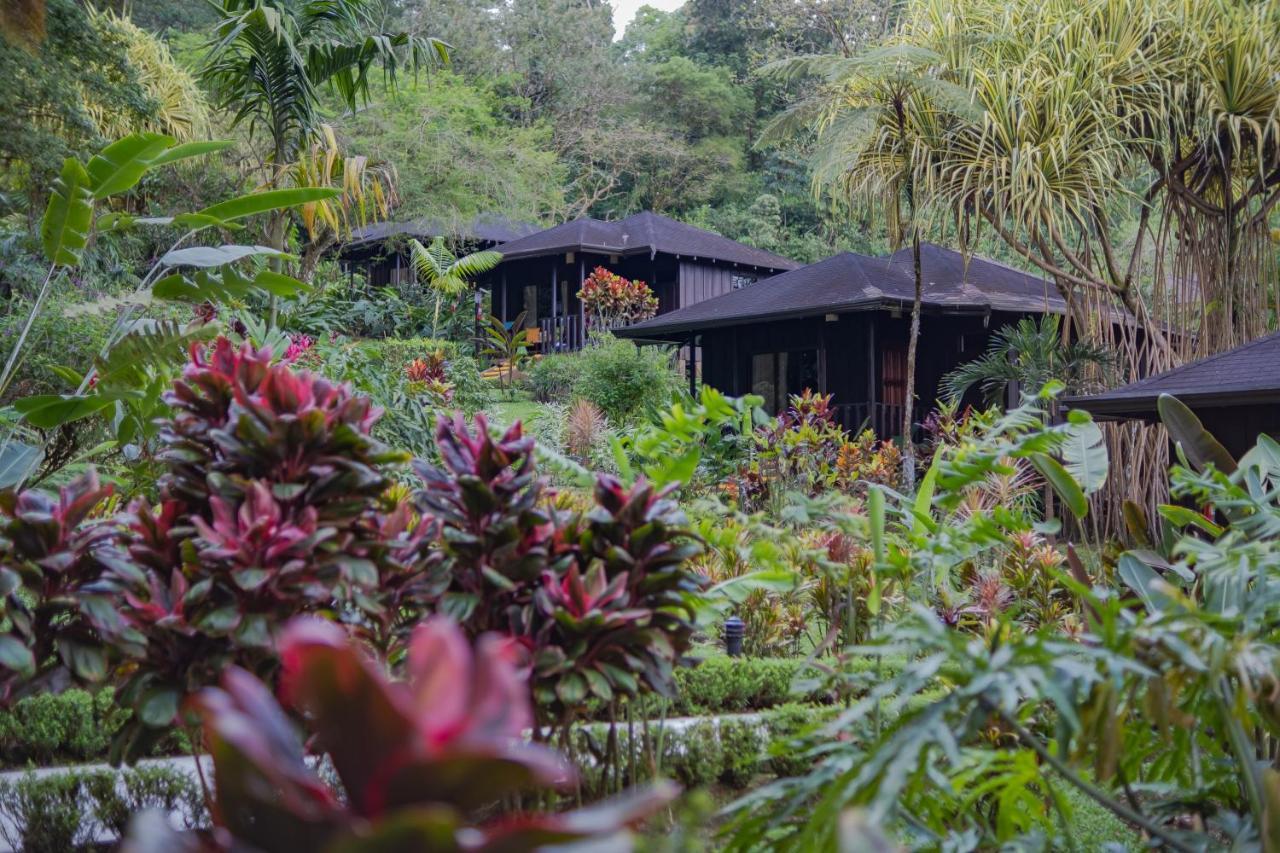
555, 286
693, 366
582, 311
505, 315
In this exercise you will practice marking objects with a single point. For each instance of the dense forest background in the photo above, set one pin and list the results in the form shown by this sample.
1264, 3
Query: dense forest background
544, 112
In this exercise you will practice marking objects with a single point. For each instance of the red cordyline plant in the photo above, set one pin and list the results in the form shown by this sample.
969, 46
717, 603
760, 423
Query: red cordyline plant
612, 300
600, 601
423, 764
272, 505
427, 376
50, 551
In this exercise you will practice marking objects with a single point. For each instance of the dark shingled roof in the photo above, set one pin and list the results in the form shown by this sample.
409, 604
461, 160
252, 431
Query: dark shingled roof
485, 228
849, 282
643, 233
1246, 375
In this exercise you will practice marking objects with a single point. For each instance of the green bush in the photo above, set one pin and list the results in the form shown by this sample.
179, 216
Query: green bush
624, 380
52, 727
693, 756
45, 813
724, 684
553, 378
785, 724
68, 727
154, 786
742, 742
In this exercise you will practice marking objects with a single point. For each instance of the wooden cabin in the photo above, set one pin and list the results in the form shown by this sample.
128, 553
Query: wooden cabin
840, 327
1236, 394
541, 273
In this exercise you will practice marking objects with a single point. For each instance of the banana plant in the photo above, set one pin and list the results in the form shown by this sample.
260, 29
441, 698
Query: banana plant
187, 272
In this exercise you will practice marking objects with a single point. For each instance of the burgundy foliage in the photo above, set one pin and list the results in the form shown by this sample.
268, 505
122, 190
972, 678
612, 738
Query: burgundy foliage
600, 601
422, 763
271, 505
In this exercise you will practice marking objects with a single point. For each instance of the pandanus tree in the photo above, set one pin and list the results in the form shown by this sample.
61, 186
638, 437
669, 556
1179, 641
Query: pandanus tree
446, 274
1129, 150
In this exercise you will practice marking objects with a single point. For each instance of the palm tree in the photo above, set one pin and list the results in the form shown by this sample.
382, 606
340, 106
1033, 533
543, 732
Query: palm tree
1029, 354
269, 59
444, 273
870, 115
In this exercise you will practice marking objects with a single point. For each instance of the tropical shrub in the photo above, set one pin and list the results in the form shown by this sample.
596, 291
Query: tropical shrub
600, 601
804, 450
697, 758
271, 505
624, 380
435, 756
553, 378
45, 814
612, 300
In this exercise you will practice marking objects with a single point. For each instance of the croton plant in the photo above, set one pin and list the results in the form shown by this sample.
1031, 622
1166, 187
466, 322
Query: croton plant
420, 762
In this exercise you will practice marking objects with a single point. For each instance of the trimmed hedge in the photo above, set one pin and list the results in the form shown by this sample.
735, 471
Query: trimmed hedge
64, 811
72, 727
77, 726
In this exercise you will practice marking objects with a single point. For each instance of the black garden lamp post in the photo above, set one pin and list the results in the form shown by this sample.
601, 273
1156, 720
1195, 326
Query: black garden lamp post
734, 629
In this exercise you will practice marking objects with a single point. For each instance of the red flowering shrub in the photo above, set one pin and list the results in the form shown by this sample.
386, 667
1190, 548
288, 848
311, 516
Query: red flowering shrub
272, 505
600, 600
611, 299
423, 764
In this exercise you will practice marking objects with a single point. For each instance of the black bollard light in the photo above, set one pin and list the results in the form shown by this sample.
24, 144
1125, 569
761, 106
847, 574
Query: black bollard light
734, 628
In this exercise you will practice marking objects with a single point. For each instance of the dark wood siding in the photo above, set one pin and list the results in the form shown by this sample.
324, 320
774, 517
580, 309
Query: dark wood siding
700, 282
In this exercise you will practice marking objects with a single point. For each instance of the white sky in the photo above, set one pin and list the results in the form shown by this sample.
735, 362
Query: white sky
625, 10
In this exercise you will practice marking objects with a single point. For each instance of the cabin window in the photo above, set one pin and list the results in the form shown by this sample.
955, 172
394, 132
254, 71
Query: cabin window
775, 376
740, 281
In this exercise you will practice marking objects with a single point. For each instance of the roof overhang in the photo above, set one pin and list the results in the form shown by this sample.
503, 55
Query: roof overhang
1144, 407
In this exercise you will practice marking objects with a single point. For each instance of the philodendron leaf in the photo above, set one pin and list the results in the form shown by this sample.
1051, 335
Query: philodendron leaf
217, 256
268, 200
120, 165
1198, 443
64, 231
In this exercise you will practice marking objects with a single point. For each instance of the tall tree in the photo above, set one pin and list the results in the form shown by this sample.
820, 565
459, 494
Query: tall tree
871, 114
269, 60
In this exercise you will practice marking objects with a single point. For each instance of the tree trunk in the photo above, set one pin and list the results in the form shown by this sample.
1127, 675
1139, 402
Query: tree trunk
908, 448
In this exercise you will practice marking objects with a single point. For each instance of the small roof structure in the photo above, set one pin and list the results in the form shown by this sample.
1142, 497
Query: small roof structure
1248, 375
485, 228
644, 233
850, 282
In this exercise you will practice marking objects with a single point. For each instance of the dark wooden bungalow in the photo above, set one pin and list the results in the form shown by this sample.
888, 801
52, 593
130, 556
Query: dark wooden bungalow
1236, 394
840, 326
380, 250
542, 273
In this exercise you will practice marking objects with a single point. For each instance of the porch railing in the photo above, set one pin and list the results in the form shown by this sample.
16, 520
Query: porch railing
884, 419
565, 334
560, 334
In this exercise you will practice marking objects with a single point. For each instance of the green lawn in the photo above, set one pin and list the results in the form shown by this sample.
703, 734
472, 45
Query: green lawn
506, 412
